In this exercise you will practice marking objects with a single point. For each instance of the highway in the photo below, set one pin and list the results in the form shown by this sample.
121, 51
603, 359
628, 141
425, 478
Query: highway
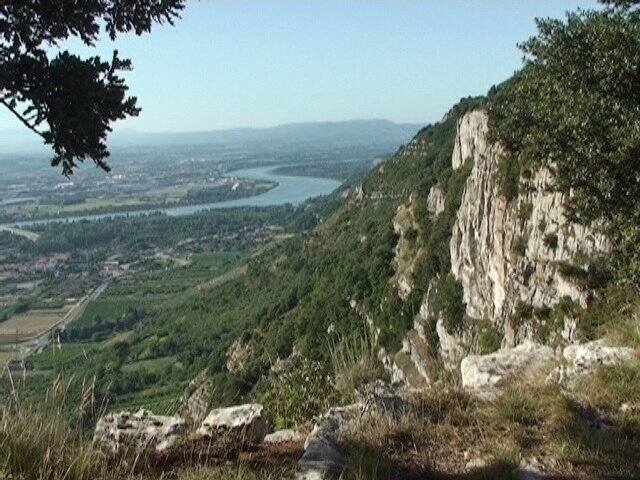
21, 232
39, 342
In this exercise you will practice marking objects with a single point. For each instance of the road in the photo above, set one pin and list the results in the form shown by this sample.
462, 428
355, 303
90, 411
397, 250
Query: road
38, 343
21, 232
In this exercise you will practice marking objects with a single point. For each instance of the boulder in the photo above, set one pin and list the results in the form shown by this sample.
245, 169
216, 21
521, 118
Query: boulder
247, 423
488, 373
382, 396
284, 436
322, 458
141, 431
587, 358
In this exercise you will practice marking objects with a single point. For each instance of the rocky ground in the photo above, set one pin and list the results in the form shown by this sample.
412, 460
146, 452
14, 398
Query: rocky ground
526, 412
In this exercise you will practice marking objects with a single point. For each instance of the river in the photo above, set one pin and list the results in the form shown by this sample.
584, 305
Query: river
290, 189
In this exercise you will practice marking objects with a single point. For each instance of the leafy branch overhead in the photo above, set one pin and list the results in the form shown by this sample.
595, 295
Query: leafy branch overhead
67, 100
575, 108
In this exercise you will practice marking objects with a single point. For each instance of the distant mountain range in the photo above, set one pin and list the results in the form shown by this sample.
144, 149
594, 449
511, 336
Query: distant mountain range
381, 133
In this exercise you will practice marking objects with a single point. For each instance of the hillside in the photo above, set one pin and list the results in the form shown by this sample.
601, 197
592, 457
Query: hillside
469, 308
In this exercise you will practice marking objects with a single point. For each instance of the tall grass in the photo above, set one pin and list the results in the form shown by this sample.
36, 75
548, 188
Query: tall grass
38, 443
355, 362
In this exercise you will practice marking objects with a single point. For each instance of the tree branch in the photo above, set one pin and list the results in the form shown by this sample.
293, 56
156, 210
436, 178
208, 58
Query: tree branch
23, 120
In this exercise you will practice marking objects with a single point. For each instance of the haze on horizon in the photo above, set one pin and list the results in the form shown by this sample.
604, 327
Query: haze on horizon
260, 64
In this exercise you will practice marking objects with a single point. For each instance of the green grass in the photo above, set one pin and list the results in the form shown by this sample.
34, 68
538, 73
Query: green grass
52, 357
162, 400
151, 365
164, 283
110, 307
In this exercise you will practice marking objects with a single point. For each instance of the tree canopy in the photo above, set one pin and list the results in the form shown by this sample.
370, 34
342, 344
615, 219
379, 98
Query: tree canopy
70, 101
575, 108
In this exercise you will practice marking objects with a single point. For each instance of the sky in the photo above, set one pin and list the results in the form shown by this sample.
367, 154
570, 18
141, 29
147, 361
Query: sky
229, 64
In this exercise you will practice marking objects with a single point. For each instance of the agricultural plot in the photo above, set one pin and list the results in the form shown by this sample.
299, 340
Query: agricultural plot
6, 357
24, 326
55, 357
163, 283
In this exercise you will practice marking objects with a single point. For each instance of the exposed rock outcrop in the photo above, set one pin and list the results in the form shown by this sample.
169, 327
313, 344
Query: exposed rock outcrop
435, 200
322, 458
197, 399
238, 355
505, 252
586, 358
284, 436
246, 423
406, 251
487, 374
145, 432
140, 432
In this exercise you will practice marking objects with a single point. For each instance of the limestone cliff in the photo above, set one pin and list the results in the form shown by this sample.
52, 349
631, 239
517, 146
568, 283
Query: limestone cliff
504, 252
510, 251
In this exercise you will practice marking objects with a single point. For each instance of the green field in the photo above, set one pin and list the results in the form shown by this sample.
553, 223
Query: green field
54, 357
160, 283
30, 323
110, 308
151, 365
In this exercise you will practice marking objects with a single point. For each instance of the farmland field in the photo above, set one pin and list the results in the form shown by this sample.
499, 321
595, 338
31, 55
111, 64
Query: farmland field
53, 357
28, 324
6, 357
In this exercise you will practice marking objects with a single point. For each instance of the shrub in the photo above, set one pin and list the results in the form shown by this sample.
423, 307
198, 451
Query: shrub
489, 339
550, 241
297, 394
520, 245
449, 303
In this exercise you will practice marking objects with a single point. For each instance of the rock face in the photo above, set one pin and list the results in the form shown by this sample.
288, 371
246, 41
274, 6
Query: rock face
247, 423
506, 252
197, 399
238, 356
586, 358
488, 373
405, 253
435, 200
141, 431
322, 459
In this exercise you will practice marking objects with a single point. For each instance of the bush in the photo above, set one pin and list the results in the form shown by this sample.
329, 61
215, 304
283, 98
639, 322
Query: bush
297, 394
449, 303
520, 245
489, 339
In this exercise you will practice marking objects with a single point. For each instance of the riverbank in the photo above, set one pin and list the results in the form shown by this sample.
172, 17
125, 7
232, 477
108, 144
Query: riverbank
289, 189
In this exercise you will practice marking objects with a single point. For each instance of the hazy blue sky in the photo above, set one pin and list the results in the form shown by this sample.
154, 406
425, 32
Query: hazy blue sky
232, 64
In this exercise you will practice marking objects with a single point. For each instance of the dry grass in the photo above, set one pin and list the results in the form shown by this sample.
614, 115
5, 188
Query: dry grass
26, 325
355, 363
46, 442
446, 428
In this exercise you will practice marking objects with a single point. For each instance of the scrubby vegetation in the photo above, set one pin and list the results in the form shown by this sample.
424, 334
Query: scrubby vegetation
573, 108
323, 302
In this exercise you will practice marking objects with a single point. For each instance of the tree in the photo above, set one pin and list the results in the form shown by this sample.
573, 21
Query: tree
575, 108
69, 101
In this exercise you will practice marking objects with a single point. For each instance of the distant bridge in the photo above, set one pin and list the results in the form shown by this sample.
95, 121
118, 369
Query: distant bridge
23, 233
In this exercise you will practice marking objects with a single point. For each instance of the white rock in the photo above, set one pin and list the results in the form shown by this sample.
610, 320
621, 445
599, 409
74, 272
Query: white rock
435, 200
139, 431
489, 373
488, 229
282, 436
587, 358
322, 458
247, 422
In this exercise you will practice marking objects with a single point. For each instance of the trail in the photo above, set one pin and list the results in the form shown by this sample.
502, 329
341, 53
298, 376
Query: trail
21, 232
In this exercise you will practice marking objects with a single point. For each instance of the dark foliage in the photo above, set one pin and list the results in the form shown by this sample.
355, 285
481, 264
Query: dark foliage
67, 100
